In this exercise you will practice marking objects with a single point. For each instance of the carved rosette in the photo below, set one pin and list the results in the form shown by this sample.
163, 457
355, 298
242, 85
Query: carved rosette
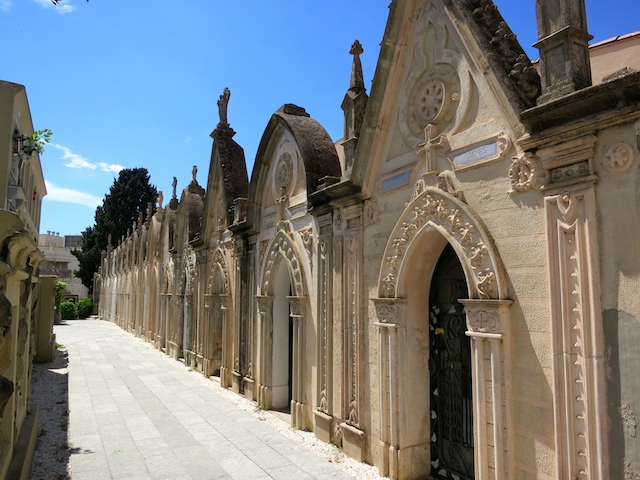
283, 245
453, 218
618, 158
524, 173
284, 173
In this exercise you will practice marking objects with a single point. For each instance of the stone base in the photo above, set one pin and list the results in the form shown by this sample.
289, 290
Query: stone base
159, 342
249, 388
225, 377
46, 350
323, 426
353, 441
298, 417
190, 359
173, 350
236, 382
25, 447
200, 363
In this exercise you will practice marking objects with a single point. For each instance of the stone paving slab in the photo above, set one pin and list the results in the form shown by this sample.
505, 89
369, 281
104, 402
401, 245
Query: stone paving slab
135, 415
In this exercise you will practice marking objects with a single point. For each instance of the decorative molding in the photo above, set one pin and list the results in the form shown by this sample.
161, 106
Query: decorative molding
524, 173
338, 221
576, 323
263, 250
296, 304
219, 261
618, 158
449, 215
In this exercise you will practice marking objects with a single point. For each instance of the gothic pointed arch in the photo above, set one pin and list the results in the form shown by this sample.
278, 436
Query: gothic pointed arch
283, 247
434, 209
219, 262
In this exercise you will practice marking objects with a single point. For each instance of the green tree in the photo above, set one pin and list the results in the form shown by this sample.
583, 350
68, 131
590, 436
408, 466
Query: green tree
129, 195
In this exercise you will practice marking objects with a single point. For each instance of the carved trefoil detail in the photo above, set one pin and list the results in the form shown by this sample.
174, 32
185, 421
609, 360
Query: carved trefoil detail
576, 324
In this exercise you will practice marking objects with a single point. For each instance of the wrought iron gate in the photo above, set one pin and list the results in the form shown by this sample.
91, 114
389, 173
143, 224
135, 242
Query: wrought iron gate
450, 371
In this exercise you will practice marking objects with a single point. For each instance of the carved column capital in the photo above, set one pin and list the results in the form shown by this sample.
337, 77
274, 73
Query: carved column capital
389, 311
264, 303
487, 318
297, 305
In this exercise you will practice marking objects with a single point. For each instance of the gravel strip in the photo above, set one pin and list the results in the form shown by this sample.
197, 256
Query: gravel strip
49, 390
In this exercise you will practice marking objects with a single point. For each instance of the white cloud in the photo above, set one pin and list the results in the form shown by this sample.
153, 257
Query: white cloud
76, 160
5, 5
67, 195
62, 7
188, 139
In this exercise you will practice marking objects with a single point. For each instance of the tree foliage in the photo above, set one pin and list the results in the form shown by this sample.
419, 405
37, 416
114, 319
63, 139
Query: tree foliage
129, 195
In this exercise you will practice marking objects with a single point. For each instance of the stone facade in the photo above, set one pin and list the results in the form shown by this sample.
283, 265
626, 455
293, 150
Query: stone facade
451, 289
26, 300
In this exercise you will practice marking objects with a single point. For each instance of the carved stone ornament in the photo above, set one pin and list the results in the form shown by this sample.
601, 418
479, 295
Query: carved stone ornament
447, 213
618, 158
524, 173
296, 306
263, 249
484, 321
387, 313
307, 239
284, 173
338, 220
264, 304
371, 212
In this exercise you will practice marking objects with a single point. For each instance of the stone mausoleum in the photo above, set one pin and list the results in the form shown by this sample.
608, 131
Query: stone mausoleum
451, 290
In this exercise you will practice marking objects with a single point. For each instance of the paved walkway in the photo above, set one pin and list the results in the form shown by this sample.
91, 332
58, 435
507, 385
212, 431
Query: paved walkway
134, 414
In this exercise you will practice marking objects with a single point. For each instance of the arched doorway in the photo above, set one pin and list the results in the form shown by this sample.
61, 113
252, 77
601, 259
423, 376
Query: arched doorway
452, 453
282, 351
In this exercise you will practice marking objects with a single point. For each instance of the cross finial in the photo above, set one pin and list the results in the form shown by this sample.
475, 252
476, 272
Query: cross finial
357, 78
223, 104
431, 141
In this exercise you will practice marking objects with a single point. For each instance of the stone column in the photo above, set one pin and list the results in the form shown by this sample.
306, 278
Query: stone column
389, 313
323, 412
298, 417
227, 345
487, 325
263, 353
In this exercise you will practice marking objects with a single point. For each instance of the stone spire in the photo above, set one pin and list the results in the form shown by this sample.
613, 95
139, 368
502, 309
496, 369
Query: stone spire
357, 78
563, 41
354, 106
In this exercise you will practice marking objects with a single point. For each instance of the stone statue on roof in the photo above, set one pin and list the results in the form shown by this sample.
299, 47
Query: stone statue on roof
223, 104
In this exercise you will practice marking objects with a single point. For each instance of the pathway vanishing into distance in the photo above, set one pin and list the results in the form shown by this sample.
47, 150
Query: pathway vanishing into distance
134, 414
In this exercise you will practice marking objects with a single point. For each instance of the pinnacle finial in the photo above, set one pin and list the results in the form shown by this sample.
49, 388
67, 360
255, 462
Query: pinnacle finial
194, 173
357, 78
223, 104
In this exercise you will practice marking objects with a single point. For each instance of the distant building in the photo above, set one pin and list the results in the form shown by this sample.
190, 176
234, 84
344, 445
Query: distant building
59, 261
26, 298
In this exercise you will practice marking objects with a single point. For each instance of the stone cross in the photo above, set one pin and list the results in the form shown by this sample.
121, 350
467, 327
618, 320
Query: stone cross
174, 184
357, 78
223, 104
429, 146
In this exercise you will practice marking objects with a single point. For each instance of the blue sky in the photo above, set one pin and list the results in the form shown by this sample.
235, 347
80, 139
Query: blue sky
134, 83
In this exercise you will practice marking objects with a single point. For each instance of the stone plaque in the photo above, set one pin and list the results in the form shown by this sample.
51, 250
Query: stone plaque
478, 153
396, 181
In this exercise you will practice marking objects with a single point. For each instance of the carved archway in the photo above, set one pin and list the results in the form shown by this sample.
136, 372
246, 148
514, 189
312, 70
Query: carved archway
283, 252
282, 246
430, 220
216, 328
434, 208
